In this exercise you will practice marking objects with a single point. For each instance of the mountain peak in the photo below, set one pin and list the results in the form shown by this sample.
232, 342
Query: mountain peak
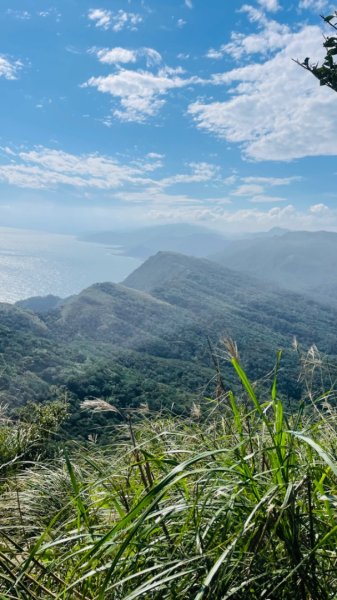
162, 267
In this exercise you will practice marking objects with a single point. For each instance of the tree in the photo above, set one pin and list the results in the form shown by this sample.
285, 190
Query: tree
326, 73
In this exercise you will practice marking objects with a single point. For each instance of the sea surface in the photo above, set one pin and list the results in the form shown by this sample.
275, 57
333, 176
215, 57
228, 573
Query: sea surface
33, 263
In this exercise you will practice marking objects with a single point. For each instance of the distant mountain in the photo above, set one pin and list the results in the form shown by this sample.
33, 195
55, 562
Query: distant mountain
39, 304
146, 340
302, 261
274, 231
142, 243
230, 302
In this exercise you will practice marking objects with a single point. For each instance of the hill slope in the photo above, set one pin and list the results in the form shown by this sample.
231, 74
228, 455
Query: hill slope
239, 304
305, 262
147, 340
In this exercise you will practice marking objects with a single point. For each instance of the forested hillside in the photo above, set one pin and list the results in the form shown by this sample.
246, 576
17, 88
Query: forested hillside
150, 339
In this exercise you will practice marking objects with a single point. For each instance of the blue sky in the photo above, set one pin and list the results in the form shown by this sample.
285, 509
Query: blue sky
124, 113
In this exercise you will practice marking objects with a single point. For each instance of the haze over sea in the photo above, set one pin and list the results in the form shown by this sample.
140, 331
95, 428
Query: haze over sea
34, 263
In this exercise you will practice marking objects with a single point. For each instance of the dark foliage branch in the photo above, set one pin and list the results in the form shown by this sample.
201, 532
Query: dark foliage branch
327, 71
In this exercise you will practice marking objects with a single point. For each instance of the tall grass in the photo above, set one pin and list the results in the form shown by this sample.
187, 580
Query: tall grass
238, 504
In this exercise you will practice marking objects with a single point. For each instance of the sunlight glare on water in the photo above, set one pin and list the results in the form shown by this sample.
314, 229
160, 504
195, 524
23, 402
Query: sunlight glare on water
36, 264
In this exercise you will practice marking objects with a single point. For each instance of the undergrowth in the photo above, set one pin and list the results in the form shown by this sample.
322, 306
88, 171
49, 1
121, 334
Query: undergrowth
237, 502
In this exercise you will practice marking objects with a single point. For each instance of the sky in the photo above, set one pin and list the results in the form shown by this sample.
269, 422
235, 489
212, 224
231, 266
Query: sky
124, 113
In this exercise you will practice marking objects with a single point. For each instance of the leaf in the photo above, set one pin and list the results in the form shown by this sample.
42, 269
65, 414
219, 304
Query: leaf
324, 455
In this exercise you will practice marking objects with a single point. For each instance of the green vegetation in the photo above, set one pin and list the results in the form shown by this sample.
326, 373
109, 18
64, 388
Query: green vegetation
237, 501
147, 341
327, 72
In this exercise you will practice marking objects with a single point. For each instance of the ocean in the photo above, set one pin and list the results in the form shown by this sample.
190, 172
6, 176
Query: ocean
34, 263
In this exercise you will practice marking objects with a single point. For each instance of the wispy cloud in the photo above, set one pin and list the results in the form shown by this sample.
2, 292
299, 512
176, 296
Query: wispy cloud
255, 189
269, 5
248, 189
21, 15
264, 199
117, 21
25, 15
118, 55
46, 168
272, 181
50, 12
9, 68
315, 5
271, 37
153, 197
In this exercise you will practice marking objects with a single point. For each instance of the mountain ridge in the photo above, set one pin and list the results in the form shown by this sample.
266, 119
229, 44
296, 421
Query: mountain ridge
301, 261
120, 341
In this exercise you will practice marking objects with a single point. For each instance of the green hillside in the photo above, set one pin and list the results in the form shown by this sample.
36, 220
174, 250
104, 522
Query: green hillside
239, 304
148, 339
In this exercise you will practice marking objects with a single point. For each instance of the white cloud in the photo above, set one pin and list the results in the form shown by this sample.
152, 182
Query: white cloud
189, 4
272, 181
140, 93
21, 15
270, 5
255, 188
273, 36
152, 57
155, 155
157, 197
106, 19
276, 111
44, 168
317, 209
181, 23
315, 5
200, 172
255, 15
101, 18
251, 219
189, 213
116, 55
248, 190
51, 12
8, 68
215, 54
139, 183
264, 199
